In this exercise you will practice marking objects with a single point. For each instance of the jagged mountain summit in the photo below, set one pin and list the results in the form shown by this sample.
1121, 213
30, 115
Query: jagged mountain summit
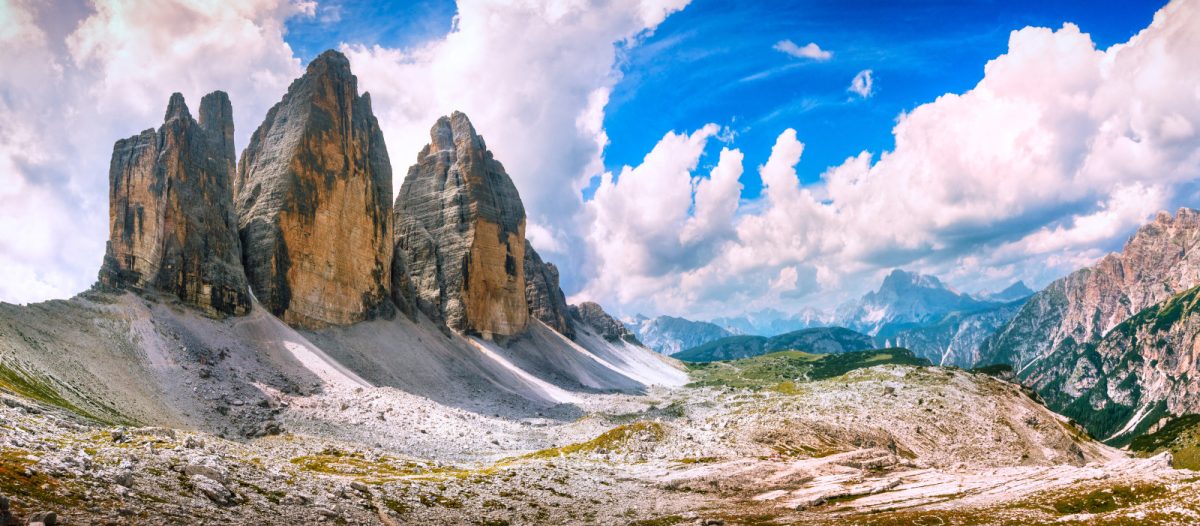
1015, 292
460, 228
669, 335
313, 195
172, 227
1065, 343
922, 314
904, 299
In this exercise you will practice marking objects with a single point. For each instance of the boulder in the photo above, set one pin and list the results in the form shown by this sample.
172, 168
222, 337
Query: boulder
313, 196
172, 228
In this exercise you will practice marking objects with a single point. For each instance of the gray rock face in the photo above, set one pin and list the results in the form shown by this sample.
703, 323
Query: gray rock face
1159, 261
546, 300
669, 335
954, 340
171, 222
1110, 345
592, 315
460, 226
313, 196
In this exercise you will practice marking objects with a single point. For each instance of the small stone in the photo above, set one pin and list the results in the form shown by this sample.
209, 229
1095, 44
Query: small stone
359, 486
214, 490
203, 470
46, 518
124, 478
118, 435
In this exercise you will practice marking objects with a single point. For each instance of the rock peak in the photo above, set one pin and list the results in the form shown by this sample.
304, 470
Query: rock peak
331, 61
460, 225
176, 108
171, 222
313, 195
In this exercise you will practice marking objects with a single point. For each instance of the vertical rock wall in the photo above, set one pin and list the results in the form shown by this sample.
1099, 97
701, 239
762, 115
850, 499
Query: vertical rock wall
460, 226
171, 222
546, 300
313, 196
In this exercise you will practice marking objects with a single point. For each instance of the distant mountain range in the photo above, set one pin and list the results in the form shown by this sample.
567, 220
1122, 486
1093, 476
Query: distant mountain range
669, 335
910, 310
820, 340
933, 320
769, 322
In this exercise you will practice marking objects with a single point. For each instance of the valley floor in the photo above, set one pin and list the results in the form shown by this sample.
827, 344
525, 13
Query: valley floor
788, 438
856, 449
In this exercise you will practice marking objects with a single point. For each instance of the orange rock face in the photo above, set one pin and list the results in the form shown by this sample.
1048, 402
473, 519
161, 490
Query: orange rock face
313, 195
171, 221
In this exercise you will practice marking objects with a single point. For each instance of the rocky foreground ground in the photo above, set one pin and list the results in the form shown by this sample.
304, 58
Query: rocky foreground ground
771, 441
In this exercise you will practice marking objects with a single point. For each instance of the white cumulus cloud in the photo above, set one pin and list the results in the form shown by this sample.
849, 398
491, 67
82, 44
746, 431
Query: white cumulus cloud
810, 50
1057, 154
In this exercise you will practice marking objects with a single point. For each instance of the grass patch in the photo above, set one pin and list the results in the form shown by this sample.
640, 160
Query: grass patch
1180, 436
783, 371
29, 386
36, 487
1107, 499
355, 465
615, 439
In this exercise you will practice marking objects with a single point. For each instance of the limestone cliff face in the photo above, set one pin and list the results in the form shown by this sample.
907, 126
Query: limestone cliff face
546, 300
1113, 345
460, 226
313, 196
171, 221
1159, 261
1139, 373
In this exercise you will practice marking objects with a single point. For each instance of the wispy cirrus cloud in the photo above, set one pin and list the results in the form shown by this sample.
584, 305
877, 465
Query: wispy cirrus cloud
863, 84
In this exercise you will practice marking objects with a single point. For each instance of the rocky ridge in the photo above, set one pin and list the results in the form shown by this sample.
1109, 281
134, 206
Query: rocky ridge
1159, 261
592, 315
313, 195
543, 295
171, 222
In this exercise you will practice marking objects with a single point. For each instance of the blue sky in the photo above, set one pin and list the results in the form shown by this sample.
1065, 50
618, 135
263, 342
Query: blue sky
714, 62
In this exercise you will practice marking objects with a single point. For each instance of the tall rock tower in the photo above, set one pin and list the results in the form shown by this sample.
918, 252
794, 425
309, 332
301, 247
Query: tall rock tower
313, 195
460, 229
171, 222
